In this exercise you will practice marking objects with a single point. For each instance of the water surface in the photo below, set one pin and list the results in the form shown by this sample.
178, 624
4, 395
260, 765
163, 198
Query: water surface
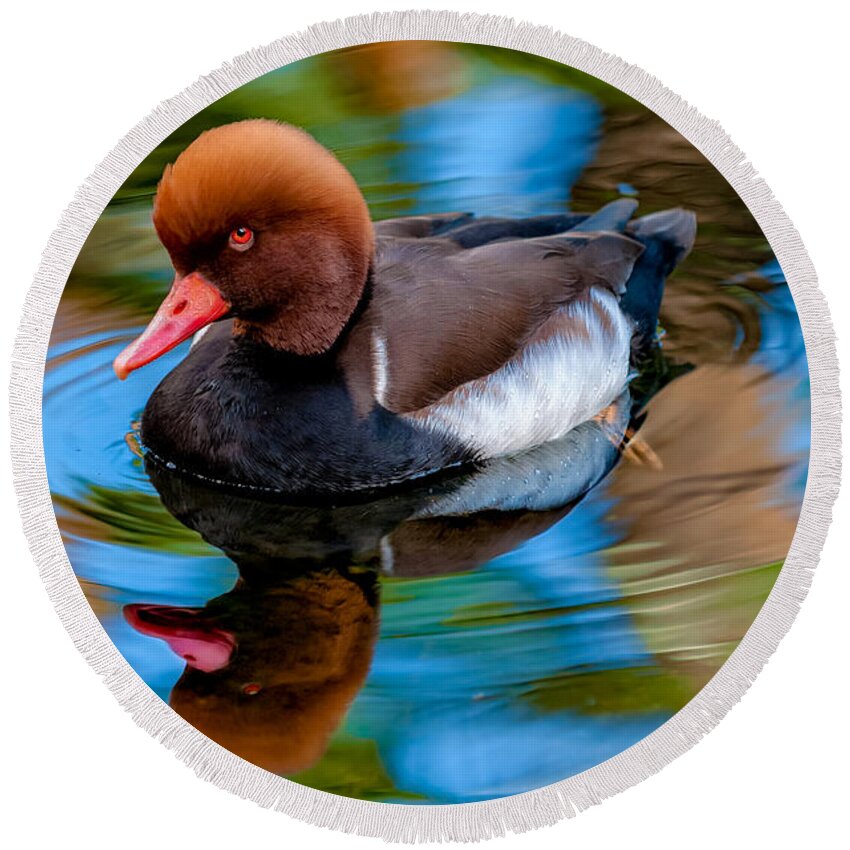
426, 647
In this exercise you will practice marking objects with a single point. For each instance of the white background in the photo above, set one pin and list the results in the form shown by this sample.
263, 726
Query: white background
76, 77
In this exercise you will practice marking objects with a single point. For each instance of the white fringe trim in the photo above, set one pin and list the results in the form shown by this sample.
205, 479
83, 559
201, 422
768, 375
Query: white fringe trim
393, 822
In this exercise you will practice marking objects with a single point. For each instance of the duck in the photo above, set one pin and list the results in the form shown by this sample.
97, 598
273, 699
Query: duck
332, 355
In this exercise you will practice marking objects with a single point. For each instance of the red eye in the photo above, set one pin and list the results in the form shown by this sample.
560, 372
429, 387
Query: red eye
241, 238
251, 688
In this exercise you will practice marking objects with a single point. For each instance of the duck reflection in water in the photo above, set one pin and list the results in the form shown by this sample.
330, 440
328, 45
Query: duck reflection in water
273, 665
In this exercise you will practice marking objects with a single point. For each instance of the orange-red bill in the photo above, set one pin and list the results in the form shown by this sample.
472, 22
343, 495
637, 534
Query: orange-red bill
192, 304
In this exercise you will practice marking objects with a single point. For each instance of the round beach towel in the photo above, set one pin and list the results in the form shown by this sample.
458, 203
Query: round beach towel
425, 413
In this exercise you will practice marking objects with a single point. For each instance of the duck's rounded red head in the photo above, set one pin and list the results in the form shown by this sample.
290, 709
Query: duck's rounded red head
264, 225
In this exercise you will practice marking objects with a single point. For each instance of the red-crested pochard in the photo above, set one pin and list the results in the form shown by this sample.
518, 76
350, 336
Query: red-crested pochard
344, 355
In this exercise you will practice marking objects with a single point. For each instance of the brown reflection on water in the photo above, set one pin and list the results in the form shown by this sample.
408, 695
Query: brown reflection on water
705, 533
87, 313
665, 171
639, 146
705, 323
703, 537
391, 76
98, 599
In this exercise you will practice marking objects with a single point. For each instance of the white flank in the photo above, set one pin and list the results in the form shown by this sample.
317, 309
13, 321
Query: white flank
380, 366
552, 385
546, 477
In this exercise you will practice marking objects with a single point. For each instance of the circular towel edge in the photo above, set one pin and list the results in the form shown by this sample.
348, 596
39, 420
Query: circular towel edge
391, 821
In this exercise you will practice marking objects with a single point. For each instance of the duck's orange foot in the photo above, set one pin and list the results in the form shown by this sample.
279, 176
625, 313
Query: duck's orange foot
629, 443
637, 450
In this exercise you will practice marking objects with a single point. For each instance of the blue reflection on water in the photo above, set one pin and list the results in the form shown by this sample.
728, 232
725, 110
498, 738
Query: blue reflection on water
510, 147
453, 730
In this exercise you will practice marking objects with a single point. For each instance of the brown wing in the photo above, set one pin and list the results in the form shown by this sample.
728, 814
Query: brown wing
420, 226
441, 316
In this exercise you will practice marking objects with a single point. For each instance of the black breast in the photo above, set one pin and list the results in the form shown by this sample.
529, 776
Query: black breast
239, 413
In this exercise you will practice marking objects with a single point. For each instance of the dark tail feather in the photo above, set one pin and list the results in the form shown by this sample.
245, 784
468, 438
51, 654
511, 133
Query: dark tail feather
613, 216
667, 238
